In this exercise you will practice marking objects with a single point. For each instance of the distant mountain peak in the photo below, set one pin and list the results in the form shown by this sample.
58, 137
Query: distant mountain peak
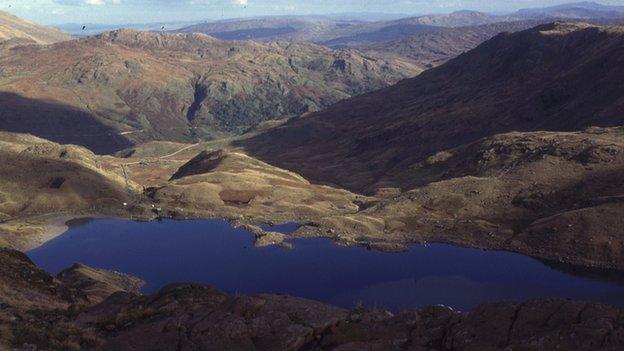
585, 9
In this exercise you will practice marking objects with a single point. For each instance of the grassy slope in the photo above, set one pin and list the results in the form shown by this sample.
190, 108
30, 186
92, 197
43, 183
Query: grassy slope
14, 27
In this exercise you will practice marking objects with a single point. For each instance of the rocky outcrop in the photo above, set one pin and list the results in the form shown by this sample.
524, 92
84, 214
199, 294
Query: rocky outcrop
187, 317
95, 285
24, 286
204, 162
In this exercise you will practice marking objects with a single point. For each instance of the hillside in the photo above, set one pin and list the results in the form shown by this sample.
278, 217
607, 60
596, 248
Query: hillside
439, 148
13, 27
334, 32
341, 33
432, 48
38, 177
119, 88
552, 77
294, 29
576, 10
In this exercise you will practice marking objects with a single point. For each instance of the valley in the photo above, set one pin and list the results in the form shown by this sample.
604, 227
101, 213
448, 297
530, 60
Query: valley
127, 87
158, 186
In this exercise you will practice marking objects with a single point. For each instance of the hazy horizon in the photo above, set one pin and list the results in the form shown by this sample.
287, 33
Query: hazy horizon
115, 12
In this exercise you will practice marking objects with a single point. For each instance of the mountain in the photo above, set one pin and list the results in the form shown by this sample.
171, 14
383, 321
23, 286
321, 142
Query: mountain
578, 10
515, 145
329, 31
405, 27
293, 29
12, 27
119, 88
387, 33
344, 31
87, 29
434, 47
552, 77
38, 176
454, 19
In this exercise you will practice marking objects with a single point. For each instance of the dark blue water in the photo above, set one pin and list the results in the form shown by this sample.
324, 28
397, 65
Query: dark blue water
212, 252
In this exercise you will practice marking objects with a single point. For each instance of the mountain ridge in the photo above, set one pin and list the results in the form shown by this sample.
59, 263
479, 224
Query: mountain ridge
12, 27
126, 86
439, 109
580, 10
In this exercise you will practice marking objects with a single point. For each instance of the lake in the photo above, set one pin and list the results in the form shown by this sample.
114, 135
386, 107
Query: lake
214, 253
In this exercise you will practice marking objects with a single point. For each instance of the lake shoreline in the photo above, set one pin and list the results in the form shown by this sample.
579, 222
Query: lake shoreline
43, 228
233, 258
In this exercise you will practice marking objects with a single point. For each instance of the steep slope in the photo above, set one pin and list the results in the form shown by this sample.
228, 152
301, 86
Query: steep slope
460, 154
38, 177
123, 87
552, 77
13, 27
553, 195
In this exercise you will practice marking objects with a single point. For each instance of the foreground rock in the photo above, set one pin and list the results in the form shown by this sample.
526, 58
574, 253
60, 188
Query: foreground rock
188, 317
37, 312
95, 285
36, 309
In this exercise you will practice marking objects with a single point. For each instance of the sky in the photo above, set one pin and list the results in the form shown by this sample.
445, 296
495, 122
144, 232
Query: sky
146, 11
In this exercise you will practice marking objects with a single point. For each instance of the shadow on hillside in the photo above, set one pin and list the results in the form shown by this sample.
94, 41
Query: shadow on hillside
59, 123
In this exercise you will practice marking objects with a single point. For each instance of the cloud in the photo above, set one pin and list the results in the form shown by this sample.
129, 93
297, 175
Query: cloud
87, 2
241, 2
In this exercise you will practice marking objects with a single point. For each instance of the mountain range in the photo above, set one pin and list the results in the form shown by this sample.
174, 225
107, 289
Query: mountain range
552, 77
466, 132
578, 10
113, 90
327, 30
336, 32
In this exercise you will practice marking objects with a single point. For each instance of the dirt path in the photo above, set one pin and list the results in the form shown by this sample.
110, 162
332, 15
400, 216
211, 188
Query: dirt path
163, 157
179, 151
